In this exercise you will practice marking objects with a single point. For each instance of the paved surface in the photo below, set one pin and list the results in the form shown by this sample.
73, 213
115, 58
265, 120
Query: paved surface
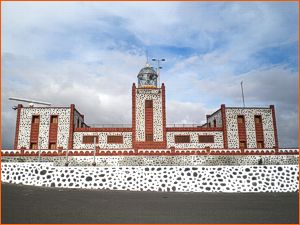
27, 204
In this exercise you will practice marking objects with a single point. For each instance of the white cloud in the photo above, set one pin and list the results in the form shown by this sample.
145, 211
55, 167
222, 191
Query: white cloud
89, 53
186, 113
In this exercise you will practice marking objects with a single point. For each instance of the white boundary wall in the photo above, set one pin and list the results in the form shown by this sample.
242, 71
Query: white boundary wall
266, 178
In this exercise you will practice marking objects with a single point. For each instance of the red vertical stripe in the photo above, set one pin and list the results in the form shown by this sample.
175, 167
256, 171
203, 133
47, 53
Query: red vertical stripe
134, 117
34, 132
259, 131
224, 126
71, 129
242, 130
274, 126
53, 132
149, 119
20, 106
164, 114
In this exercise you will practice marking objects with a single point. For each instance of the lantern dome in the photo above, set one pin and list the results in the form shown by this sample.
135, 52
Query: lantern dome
147, 77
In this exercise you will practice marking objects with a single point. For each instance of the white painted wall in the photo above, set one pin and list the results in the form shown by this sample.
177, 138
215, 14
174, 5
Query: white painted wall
44, 113
102, 136
156, 96
232, 128
271, 178
218, 139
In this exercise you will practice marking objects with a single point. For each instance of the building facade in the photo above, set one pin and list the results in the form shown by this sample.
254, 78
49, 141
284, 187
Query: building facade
231, 129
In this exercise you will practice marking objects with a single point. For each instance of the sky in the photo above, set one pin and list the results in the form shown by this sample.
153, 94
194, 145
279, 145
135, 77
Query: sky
89, 54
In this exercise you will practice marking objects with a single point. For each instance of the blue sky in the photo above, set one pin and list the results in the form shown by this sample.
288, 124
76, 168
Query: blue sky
89, 53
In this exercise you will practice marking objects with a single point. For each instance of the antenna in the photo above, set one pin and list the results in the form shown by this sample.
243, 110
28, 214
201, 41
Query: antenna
147, 57
243, 94
29, 101
158, 68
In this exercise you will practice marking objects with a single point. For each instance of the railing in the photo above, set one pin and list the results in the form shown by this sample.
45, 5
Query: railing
184, 125
109, 125
130, 125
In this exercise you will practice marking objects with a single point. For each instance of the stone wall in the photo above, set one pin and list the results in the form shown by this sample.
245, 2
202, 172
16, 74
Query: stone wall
282, 178
156, 96
249, 113
102, 143
43, 139
218, 139
183, 160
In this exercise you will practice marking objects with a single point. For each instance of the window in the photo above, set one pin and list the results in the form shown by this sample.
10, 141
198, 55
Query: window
243, 144
78, 122
115, 139
260, 144
54, 119
33, 145
149, 137
215, 123
35, 119
209, 124
89, 139
148, 103
257, 119
52, 145
206, 138
182, 139
240, 119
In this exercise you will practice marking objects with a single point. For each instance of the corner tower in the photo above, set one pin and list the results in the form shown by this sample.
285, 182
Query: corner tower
148, 111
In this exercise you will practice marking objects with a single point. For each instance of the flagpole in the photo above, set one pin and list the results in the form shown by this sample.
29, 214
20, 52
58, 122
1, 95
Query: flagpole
243, 94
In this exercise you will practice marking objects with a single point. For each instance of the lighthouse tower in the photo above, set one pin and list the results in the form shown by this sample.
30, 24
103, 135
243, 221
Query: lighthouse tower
148, 111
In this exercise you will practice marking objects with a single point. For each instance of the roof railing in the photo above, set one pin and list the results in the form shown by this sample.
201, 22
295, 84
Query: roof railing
110, 125
184, 125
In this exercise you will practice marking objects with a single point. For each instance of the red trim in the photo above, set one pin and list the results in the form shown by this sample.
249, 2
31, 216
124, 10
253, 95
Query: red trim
150, 144
204, 129
134, 117
259, 131
34, 131
53, 127
71, 129
247, 108
164, 114
149, 119
242, 133
224, 125
164, 152
103, 129
272, 107
46, 107
17, 126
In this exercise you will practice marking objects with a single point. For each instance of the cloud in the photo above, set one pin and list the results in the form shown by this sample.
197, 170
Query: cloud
89, 53
186, 113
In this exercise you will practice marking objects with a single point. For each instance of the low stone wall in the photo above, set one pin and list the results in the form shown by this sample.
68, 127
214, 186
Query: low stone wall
188, 160
275, 178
